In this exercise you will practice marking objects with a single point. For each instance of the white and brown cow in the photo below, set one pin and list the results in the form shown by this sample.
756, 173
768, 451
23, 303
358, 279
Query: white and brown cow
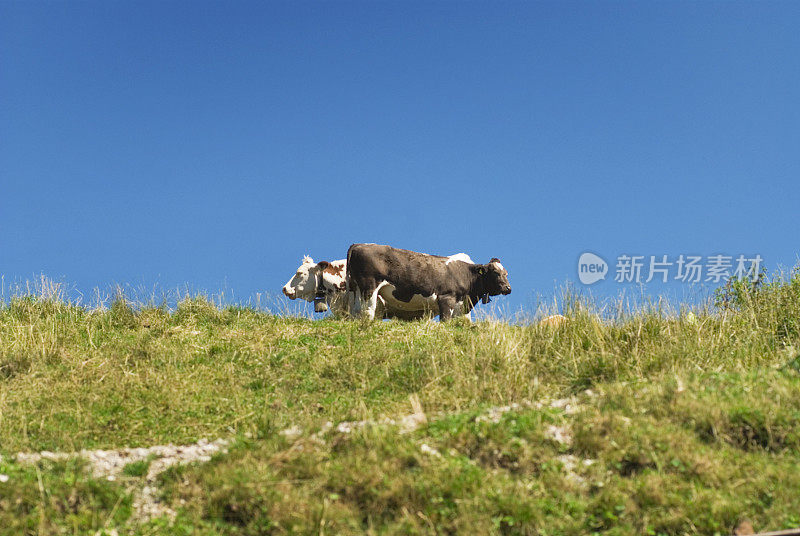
320, 282
405, 279
324, 284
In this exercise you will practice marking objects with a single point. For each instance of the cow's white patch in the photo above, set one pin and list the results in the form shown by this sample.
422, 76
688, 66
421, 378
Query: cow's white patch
499, 265
463, 257
418, 302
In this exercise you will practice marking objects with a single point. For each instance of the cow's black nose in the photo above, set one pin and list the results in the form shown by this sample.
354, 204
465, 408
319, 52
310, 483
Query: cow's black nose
507, 291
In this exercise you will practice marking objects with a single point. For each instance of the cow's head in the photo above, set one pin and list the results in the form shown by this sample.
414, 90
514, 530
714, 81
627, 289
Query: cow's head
495, 278
303, 284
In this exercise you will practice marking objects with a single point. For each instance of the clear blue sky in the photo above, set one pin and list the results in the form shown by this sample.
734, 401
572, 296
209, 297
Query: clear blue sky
215, 143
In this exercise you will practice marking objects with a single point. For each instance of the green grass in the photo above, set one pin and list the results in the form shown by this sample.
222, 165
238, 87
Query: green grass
137, 468
58, 498
680, 423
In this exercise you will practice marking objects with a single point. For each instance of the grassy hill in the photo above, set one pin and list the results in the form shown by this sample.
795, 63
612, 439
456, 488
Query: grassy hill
654, 423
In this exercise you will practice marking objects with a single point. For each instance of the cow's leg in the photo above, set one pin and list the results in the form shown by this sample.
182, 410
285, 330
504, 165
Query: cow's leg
447, 306
339, 304
460, 309
362, 293
352, 302
463, 310
371, 299
380, 308
466, 306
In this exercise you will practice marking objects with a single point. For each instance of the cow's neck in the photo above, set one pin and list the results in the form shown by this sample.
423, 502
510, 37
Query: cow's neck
478, 289
320, 295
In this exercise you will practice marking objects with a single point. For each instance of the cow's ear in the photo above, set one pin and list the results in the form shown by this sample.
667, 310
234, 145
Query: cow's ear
481, 270
323, 264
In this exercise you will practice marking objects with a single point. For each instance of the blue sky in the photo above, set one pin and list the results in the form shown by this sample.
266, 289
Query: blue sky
212, 144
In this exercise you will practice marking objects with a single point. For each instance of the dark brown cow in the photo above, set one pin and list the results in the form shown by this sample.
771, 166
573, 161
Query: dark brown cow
409, 280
